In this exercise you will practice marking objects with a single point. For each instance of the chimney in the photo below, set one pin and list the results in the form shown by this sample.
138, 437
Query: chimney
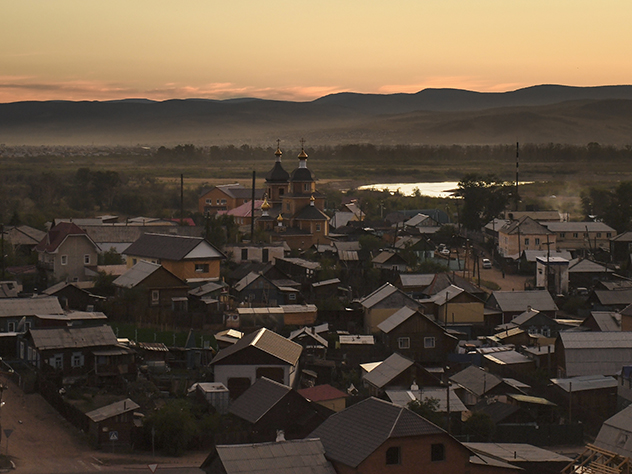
280, 436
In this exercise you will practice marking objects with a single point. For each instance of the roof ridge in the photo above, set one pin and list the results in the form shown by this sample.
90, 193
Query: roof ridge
390, 433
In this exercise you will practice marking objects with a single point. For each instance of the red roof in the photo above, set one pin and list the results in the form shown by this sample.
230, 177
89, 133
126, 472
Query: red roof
57, 235
245, 210
321, 393
187, 221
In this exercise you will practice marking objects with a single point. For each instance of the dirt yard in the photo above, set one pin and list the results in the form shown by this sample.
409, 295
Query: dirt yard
44, 442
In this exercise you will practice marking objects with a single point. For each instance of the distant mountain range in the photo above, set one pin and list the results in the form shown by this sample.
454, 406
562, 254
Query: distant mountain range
539, 114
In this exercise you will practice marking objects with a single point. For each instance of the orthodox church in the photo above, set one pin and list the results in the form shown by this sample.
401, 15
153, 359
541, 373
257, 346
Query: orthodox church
292, 210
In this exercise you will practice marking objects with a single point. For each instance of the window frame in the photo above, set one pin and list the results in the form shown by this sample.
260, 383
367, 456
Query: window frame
393, 456
63, 259
403, 343
437, 452
430, 342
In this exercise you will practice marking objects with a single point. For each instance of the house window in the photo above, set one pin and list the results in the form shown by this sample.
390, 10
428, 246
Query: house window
281, 191
77, 359
223, 202
537, 241
393, 455
429, 342
562, 235
526, 241
64, 259
217, 202
265, 255
86, 259
608, 234
437, 452
58, 361
403, 342
11, 327
292, 296
209, 202
22, 354
598, 235
244, 254
201, 267
317, 227
575, 235
155, 296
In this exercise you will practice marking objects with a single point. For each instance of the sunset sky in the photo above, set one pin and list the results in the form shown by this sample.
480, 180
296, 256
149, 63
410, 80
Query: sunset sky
301, 50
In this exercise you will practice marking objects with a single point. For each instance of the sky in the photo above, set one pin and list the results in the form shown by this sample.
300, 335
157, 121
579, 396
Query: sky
301, 50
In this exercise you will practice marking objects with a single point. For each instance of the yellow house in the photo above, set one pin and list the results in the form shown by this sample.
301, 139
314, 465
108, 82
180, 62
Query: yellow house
453, 305
189, 258
524, 234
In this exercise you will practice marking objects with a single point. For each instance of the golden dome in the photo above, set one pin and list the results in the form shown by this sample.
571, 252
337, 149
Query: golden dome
265, 205
280, 218
278, 152
302, 154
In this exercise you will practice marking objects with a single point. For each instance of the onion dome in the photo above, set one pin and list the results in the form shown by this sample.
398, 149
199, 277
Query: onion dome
302, 173
277, 174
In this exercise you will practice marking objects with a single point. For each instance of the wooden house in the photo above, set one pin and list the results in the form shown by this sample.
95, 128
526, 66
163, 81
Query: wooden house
113, 425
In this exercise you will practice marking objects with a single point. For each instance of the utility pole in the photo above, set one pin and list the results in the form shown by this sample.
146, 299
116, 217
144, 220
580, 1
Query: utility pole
252, 210
517, 173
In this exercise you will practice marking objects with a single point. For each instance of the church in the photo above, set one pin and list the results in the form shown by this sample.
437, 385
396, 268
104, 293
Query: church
293, 210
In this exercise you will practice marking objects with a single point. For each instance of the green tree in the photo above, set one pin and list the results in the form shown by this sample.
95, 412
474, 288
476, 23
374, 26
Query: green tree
480, 427
429, 409
484, 198
174, 426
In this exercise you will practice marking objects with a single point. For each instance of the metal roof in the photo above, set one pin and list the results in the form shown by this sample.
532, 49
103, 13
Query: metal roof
356, 340
388, 370
616, 433
321, 393
586, 382
403, 397
476, 380
508, 358
352, 435
416, 280
17, 307
73, 337
114, 409
596, 353
513, 301
531, 255
588, 226
517, 452
530, 399
259, 399
396, 319
588, 266
614, 297
136, 274
607, 320
266, 341
172, 247
378, 295
305, 456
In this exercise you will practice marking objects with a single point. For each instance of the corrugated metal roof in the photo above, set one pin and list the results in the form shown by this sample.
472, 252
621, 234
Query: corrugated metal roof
172, 247
73, 337
305, 456
114, 409
588, 266
320, 393
596, 353
615, 297
16, 307
388, 370
396, 319
136, 274
267, 341
607, 320
476, 380
352, 435
589, 226
378, 295
508, 358
517, 452
416, 280
513, 301
255, 402
616, 433
356, 340
530, 399
586, 382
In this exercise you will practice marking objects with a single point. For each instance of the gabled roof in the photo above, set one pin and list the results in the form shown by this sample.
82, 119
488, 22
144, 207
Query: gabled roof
244, 210
513, 301
259, 399
525, 226
614, 297
596, 353
388, 257
526, 316
445, 295
380, 294
114, 409
58, 234
29, 306
397, 318
418, 219
311, 333
607, 320
616, 433
139, 273
73, 337
322, 393
172, 247
518, 452
588, 266
444, 280
476, 380
352, 435
388, 370
207, 288
585, 382
416, 280
266, 341
531, 255
311, 213
304, 456
588, 226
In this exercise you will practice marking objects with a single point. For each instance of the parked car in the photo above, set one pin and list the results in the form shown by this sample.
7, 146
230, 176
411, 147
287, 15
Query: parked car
487, 263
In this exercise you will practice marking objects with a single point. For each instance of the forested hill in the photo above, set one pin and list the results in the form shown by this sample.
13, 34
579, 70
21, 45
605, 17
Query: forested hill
539, 114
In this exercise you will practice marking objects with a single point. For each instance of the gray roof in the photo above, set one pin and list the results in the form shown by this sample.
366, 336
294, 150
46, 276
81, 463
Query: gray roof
266, 341
136, 274
247, 280
332, 281
309, 332
301, 262
596, 353
508, 358
525, 226
616, 433
586, 382
73, 337
476, 380
352, 435
607, 320
579, 227
207, 288
378, 295
445, 295
416, 280
512, 301
403, 397
614, 297
531, 255
18, 307
255, 402
304, 456
388, 370
517, 452
114, 409
172, 247
588, 266
397, 318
